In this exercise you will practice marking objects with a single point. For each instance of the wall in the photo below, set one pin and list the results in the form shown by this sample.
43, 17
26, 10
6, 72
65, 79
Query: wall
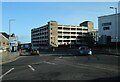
4, 41
112, 27
53, 29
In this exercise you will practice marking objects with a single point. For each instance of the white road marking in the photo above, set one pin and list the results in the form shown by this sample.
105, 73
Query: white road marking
111, 55
31, 67
49, 62
6, 73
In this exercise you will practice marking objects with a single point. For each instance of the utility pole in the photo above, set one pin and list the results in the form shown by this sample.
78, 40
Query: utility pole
116, 24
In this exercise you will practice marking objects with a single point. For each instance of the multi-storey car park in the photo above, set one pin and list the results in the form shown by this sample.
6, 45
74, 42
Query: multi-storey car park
54, 35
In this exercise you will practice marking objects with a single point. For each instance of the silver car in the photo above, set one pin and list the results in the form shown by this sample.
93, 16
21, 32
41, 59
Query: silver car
85, 50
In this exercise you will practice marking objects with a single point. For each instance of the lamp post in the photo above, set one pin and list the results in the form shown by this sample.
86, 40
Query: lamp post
10, 20
116, 28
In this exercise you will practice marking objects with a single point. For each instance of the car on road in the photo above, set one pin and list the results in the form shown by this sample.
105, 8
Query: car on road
34, 52
28, 52
85, 50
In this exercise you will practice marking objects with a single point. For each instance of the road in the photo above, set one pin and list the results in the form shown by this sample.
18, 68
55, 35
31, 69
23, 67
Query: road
48, 67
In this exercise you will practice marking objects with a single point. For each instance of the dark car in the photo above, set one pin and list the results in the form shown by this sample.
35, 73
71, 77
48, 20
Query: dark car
34, 52
85, 50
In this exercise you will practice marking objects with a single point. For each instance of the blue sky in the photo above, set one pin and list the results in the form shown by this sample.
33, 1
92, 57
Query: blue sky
28, 15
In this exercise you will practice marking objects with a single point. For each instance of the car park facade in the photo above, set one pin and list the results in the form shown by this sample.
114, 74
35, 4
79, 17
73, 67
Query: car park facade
54, 35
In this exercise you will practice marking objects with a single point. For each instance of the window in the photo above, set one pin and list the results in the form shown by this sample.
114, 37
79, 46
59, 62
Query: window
73, 32
79, 28
106, 28
66, 28
59, 40
3, 42
59, 32
59, 36
106, 24
66, 32
79, 32
59, 27
73, 36
72, 28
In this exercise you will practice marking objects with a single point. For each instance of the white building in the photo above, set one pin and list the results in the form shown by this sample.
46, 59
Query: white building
13, 43
109, 28
119, 7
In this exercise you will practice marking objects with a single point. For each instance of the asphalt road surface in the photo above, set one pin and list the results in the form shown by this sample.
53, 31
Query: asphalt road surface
48, 67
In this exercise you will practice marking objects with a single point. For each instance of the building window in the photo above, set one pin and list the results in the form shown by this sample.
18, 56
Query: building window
73, 28
73, 32
73, 36
59, 27
106, 24
106, 28
59, 32
59, 40
59, 36
79, 28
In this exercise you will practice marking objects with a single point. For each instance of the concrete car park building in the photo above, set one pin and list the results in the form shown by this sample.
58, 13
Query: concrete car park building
53, 35
91, 31
109, 28
88, 24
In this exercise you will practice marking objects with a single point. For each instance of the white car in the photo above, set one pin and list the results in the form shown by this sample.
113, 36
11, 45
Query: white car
84, 50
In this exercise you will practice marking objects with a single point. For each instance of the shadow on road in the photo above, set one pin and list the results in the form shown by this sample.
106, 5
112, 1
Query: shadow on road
116, 78
93, 80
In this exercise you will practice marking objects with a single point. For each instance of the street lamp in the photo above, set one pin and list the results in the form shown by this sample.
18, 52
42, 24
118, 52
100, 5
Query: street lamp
10, 20
116, 28
115, 9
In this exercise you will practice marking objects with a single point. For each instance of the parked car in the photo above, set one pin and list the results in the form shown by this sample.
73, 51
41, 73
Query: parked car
34, 52
85, 50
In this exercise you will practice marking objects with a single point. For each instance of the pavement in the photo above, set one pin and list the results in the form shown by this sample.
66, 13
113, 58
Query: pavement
107, 51
6, 57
